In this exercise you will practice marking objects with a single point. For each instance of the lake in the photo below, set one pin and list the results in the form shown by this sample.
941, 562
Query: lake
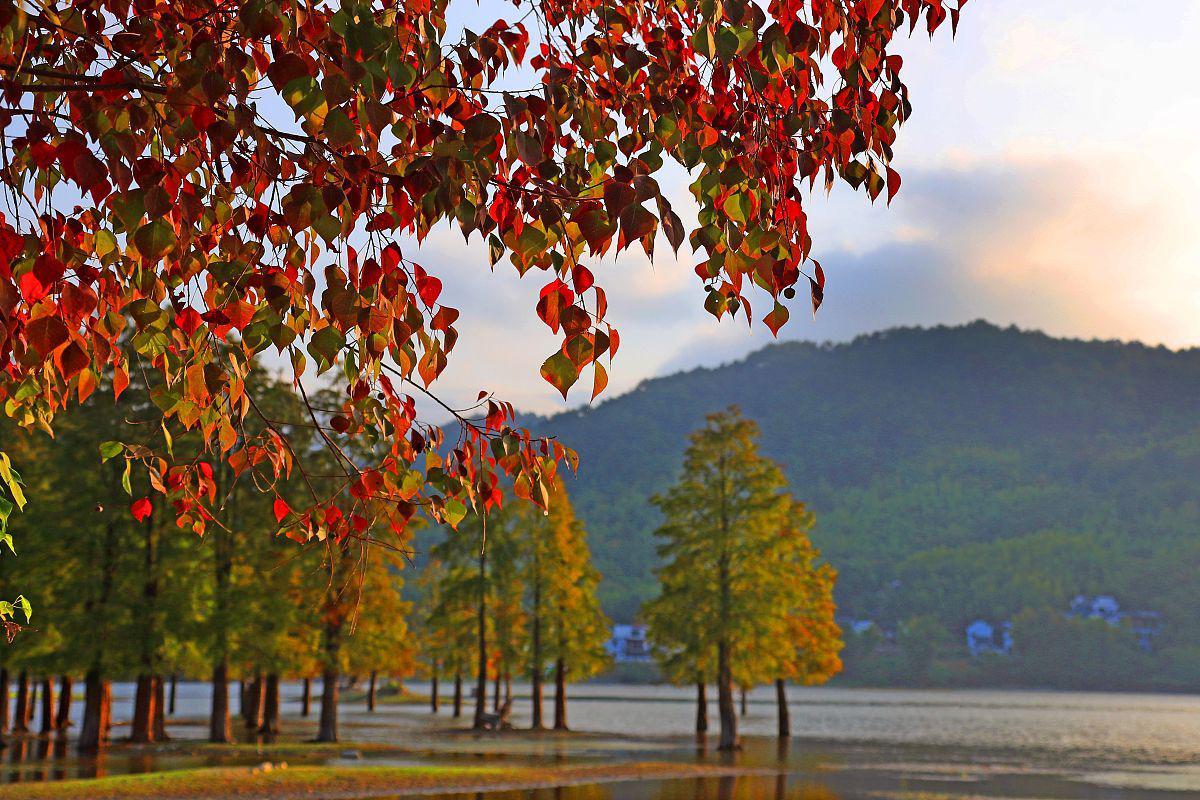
847, 743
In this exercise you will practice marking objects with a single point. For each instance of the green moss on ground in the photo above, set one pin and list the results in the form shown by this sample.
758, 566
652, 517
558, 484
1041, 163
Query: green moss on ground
339, 783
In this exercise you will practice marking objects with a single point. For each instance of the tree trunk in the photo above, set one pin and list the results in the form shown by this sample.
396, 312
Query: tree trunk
508, 689
160, 709
3, 699
327, 730
785, 728
725, 705
252, 713
496, 692
20, 723
219, 727
62, 718
270, 714
97, 710
536, 676
371, 692
31, 706
481, 622
144, 700
171, 697
433, 692
458, 687
701, 707
306, 697
47, 705
743, 693
560, 695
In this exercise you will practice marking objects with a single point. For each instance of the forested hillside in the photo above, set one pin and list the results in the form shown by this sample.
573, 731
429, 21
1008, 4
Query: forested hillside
955, 472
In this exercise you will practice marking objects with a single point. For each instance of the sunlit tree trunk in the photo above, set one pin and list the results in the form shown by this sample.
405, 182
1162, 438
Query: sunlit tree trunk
160, 709
97, 712
62, 718
560, 695
701, 707
142, 725
785, 728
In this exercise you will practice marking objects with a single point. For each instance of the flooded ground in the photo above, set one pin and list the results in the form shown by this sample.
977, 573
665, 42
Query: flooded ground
847, 744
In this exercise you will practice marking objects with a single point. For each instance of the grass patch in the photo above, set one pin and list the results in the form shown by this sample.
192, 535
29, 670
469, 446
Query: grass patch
341, 783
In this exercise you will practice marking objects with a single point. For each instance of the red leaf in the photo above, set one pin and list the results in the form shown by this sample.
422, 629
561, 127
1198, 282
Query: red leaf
281, 508
893, 183
141, 509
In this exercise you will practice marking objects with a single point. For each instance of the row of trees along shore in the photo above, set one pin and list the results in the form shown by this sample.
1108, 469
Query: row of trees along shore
123, 595
120, 595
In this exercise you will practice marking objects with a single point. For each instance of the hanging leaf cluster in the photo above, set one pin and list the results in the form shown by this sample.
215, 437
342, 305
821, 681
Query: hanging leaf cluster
188, 184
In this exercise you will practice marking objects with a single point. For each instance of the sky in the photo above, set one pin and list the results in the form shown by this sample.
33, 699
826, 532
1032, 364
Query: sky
1047, 182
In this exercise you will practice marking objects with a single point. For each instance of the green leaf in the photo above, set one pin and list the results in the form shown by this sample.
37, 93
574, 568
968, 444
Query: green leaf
325, 346
560, 372
125, 478
155, 239
453, 512
110, 450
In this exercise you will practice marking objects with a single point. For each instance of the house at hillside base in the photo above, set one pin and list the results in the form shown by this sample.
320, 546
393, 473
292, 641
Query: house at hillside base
984, 637
628, 644
1145, 625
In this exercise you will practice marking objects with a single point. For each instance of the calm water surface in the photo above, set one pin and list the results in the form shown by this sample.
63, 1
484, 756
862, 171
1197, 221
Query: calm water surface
847, 744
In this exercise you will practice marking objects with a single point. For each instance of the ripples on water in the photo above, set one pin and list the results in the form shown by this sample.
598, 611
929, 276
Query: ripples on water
848, 743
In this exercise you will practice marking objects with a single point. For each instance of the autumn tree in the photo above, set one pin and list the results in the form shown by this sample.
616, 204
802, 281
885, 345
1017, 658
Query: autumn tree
796, 637
725, 522
192, 185
567, 629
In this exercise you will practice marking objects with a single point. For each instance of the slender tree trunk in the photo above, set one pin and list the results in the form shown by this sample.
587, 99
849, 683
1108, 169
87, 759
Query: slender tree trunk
327, 730
97, 711
701, 707
243, 698
725, 704
742, 689
160, 709
219, 726
3, 699
20, 723
171, 697
496, 692
47, 705
433, 691
481, 676
458, 698
306, 697
785, 728
535, 674
31, 706
142, 725
508, 688
270, 715
371, 692
560, 695
252, 713
62, 718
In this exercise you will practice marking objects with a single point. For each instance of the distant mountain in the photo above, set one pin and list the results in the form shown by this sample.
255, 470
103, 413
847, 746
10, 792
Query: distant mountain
930, 457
